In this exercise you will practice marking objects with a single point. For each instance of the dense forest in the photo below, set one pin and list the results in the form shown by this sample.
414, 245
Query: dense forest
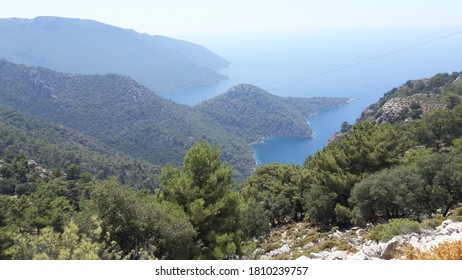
254, 114
126, 117
55, 146
71, 197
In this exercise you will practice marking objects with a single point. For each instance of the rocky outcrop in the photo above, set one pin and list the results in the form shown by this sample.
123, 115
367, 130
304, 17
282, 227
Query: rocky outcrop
458, 80
409, 107
413, 99
448, 231
284, 249
41, 171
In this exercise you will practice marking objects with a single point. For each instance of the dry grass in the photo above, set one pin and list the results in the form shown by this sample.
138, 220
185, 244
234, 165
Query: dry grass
445, 251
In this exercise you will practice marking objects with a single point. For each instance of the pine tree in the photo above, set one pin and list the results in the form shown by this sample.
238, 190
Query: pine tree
203, 187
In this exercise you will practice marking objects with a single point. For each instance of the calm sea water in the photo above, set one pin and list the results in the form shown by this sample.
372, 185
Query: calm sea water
356, 64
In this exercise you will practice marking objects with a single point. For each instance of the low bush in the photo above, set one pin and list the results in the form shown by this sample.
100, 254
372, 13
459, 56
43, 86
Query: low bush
385, 232
433, 222
456, 215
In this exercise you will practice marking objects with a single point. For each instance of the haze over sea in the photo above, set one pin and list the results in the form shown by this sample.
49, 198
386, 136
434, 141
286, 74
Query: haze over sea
361, 64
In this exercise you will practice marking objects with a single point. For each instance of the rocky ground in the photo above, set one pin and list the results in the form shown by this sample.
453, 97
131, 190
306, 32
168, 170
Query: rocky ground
395, 108
353, 244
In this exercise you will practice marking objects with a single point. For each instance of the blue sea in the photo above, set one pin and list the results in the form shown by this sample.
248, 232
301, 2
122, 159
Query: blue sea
360, 64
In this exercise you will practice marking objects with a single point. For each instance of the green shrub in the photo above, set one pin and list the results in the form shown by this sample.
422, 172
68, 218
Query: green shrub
268, 247
342, 214
456, 215
339, 244
283, 257
385, 232
248, 248
433, 222
299, 243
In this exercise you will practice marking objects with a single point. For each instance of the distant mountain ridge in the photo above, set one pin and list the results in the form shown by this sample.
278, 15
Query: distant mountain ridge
90, 47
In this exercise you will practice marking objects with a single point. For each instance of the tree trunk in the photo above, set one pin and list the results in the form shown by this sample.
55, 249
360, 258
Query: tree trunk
445, 213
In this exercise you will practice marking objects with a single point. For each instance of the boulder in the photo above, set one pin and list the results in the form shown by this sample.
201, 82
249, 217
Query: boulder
315, 256
276, 252
449, 229
282, 250
455, 236
393, 248
337, 255
319, 256
443, 225
353, 241
371, 250
359, 256
414, 242
258, 252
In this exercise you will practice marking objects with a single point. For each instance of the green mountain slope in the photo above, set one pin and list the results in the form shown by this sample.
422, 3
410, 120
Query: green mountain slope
126, 117
118, 112
55, 146
254, 114
90, 47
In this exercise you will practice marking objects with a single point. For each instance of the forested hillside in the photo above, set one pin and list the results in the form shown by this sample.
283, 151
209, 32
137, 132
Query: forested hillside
376, 173
126, 117
56, 147
118, 112
90, 47
254, 114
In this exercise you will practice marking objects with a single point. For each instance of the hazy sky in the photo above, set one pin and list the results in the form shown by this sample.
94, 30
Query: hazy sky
189, 18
